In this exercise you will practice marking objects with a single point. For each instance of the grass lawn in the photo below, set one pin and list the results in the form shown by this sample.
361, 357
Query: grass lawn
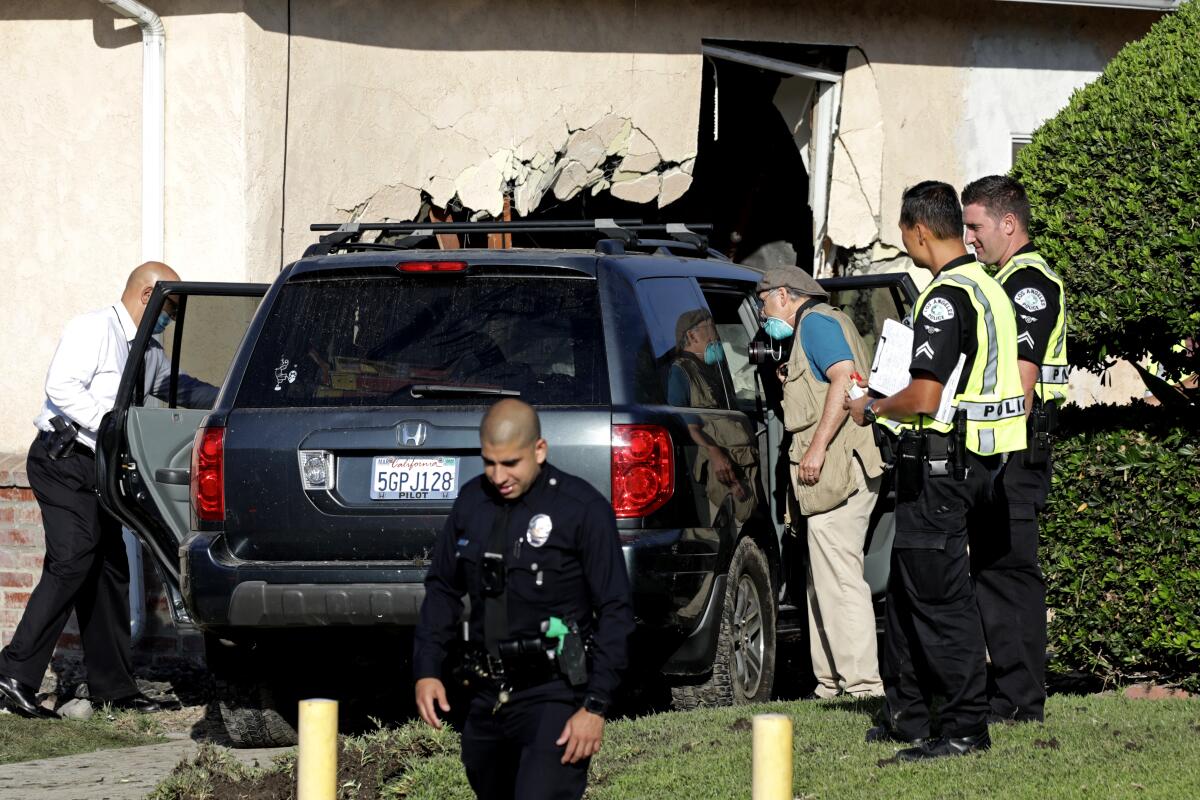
28, 739
1090, 747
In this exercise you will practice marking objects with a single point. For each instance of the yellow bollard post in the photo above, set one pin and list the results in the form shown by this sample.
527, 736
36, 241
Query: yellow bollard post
316, 759
772, 758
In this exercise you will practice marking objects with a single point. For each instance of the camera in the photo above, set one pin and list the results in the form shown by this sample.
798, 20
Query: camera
760, 352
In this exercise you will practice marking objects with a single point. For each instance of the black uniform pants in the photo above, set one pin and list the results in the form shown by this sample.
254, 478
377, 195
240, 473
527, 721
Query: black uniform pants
933, 636
512, 754
86, 569
1012, 592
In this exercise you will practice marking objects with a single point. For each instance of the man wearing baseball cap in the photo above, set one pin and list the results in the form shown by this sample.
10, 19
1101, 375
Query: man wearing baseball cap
836, 471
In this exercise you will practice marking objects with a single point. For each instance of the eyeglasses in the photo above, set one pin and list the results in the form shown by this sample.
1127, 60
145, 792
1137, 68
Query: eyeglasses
760, 302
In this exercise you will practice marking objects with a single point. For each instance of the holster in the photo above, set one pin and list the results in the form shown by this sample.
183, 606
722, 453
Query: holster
887, 444
61, 442
1043, 419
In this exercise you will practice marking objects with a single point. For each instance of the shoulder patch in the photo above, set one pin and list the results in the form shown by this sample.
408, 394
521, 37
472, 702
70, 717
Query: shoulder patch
1030, 299
938, 309
932, 329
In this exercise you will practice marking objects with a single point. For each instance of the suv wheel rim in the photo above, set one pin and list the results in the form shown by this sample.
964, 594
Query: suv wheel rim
748, 644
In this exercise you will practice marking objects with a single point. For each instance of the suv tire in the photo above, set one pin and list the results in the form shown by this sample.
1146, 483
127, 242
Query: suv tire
252, 717
744, 666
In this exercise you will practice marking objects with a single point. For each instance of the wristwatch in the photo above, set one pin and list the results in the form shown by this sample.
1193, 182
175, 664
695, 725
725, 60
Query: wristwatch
595, 705
868, 414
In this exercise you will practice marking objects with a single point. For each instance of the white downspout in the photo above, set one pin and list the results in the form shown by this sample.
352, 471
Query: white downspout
154, 47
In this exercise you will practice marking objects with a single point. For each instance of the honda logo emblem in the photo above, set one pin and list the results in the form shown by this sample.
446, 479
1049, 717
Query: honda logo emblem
412, 434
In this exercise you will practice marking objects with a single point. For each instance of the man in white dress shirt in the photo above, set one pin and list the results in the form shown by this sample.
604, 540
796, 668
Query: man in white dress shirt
86, 568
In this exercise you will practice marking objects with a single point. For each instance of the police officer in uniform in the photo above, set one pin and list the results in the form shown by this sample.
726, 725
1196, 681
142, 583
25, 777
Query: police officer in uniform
1004, 560
537, 551
934, 639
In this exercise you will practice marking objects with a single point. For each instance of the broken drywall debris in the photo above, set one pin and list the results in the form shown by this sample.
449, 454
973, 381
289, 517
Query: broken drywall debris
481, 188
585, 148
641, 154
573, 151
674, 183
642, 189
570, 181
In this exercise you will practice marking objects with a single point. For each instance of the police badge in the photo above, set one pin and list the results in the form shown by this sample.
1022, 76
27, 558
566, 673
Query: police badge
539, 530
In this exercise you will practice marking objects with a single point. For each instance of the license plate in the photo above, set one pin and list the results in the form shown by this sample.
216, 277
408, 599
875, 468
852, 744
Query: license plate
414, 478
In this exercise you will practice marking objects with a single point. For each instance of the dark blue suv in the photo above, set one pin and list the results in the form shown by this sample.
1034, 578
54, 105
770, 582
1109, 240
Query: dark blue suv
307, 500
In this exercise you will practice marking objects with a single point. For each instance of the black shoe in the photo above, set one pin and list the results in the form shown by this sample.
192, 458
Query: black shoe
21, 699
947, 746
882, 733
136, 702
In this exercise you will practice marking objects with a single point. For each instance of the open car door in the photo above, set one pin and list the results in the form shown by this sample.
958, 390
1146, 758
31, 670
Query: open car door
869, 300
171, 381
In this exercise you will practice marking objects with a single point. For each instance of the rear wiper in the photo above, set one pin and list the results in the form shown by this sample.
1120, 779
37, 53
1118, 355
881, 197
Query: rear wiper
435, 389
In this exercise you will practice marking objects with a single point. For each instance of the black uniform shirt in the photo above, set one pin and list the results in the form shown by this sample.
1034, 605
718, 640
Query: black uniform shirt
945, 329
1035, 300
576, 573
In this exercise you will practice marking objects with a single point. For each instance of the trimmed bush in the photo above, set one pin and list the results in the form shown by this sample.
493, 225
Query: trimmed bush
1114, 184
1121, 544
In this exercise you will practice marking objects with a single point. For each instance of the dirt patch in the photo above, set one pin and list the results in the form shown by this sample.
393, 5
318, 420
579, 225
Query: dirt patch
366, 764
1047, 744
742, 724
1154, 691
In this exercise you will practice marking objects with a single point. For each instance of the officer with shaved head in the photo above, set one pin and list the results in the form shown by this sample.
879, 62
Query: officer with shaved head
537, 552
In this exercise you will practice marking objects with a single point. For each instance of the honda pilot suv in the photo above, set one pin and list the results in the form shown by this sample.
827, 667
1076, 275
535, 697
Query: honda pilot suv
295, 519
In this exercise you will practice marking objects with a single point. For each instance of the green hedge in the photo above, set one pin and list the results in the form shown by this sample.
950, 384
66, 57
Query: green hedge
1121, 544
1114, 185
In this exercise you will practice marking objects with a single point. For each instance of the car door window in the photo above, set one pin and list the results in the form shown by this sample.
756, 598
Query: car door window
868, 306
728, 306
688, 350
185, 365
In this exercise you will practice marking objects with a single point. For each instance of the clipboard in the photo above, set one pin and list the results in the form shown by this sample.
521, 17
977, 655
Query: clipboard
890, 368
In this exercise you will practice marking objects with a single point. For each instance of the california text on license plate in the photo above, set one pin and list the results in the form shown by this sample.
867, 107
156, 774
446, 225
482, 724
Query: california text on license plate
414, 478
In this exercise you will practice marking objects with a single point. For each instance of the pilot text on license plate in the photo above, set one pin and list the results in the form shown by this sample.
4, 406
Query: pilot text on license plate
414, 478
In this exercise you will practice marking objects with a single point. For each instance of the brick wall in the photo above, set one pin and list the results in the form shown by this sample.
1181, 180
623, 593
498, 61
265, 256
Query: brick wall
22, 548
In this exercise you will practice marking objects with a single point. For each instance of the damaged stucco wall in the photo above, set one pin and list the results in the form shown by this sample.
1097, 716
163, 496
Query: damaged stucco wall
282, 114
557, 159
71, 137
539, 125
856, 183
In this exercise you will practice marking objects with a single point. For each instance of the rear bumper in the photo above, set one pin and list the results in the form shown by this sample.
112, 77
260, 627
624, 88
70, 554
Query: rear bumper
676, 577
222, 591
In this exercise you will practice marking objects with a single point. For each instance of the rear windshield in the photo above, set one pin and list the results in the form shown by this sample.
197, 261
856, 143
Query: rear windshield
411, 340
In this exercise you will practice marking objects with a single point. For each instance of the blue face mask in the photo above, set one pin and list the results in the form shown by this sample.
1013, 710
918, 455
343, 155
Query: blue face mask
714, 353
777, 328
160, 325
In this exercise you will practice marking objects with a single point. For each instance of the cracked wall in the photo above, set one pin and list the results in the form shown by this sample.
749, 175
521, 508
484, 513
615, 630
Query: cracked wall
470, 126
555, 162
856, 181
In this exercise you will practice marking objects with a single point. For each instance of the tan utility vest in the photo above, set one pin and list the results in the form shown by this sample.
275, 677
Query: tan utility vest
803, 401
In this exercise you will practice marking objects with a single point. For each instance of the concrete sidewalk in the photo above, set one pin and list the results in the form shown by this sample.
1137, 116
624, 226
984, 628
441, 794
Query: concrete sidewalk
128, 773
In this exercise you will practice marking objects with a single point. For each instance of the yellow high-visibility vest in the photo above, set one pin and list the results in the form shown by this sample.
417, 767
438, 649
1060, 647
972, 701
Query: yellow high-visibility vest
1052, 382
992, 398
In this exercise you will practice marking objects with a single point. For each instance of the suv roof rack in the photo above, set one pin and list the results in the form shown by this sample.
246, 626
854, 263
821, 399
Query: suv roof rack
617, 235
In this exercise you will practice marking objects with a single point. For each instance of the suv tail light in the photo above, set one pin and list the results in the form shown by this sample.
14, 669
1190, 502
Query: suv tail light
643, 469
432, 266
208, 474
